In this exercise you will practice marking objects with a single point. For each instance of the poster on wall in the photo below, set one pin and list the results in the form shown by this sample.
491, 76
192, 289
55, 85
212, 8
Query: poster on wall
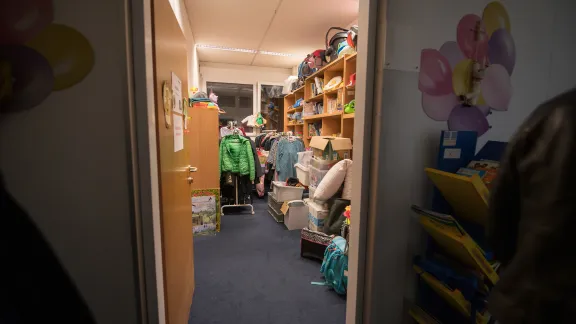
205, 211
178, 133
177, 94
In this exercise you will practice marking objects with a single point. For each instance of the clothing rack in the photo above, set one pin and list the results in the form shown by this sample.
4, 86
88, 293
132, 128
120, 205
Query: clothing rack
236, 204
232, 124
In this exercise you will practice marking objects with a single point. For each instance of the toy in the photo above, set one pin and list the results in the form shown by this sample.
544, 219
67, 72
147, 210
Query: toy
350, 107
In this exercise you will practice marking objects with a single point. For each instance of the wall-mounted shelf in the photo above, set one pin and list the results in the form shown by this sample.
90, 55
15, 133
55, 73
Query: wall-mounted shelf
331, 124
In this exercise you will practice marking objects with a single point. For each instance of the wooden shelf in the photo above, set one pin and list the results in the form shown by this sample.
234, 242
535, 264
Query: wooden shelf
351, 57
332, 91
348, 116
352, 87
289, 111
319, 97
320, 116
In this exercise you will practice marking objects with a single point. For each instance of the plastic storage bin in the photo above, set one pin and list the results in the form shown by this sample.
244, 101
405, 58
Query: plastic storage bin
297, 215
322, 164
311, 190
304, 158
274, 208
316, 176
284, 193
302, 174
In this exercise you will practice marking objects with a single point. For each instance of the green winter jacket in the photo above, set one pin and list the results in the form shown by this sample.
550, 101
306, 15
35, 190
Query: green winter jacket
236, 156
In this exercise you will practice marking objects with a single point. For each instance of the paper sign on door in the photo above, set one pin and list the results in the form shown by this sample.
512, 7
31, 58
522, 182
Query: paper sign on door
176, 93
178, 132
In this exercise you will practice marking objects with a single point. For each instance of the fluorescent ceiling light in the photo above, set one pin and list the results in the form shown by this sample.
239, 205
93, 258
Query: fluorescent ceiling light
242, 50
225, 48
274, 53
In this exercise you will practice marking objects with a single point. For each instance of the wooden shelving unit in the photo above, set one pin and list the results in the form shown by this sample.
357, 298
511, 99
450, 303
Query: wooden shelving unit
332, 123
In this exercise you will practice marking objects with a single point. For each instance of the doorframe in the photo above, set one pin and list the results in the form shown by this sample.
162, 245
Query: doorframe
369, 67
360, 306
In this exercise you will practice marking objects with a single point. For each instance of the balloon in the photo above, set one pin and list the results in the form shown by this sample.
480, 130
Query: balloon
435, 77
464, 118
495, 17
439, 107
484, 109
22, 20
472, 38
69, 53
452, 53
32, 77
502, 49
497, 87
462, 77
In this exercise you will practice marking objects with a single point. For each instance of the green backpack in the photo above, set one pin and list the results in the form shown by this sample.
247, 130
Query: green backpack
335, 265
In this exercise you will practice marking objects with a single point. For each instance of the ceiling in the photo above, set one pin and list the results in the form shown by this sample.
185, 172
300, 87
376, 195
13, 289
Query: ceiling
296, 27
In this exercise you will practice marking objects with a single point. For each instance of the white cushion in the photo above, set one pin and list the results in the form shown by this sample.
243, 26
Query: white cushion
332, 181
347, 190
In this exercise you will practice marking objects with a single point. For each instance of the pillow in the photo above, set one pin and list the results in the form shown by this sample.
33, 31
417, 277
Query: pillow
332, 181
347, 191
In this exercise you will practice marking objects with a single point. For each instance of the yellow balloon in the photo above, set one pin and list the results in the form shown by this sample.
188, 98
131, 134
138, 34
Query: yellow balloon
69, 53
481, 101
462, 77
495, 17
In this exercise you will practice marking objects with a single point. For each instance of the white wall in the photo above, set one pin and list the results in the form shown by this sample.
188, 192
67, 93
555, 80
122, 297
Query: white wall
67, 163
544, 34
181, 13
245, 74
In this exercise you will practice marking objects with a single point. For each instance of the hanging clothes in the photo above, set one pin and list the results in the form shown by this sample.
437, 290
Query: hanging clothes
287, 157
258, 168
236, 156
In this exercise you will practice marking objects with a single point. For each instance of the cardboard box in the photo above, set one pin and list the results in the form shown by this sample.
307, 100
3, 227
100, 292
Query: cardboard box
331, 148
316, 215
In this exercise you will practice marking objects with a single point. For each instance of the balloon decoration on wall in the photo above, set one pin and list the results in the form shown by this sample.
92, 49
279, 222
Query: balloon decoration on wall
465, 80
38, 56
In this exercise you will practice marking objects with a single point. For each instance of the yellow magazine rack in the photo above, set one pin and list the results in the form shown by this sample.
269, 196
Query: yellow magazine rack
453, 297
468, 196
456, 242
421, 317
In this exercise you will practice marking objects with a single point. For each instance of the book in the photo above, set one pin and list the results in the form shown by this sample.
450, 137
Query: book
319, 84
489, 167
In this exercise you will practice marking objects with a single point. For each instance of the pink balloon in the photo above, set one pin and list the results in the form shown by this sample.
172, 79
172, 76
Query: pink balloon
452, 53
22, 20
464, 118
435, 77
497, 87
439, 107
472, 38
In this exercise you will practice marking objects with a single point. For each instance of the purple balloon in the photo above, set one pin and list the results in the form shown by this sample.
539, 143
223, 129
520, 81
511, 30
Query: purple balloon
32, 77
464, 118
502, 50
435, 77
484, 109
496, 87
451, 51
439, 107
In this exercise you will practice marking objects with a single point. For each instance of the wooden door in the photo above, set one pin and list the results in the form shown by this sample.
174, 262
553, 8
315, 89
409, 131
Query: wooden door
203, 147
176, 206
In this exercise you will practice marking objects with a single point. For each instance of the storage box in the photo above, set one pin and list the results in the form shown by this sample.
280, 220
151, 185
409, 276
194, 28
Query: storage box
284, 193
297, 215
322, 164
302, 174
311, 190
304, 158
316, 176
331, 148
316, 215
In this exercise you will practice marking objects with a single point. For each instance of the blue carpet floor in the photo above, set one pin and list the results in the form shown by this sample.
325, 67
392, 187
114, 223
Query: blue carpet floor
252, 273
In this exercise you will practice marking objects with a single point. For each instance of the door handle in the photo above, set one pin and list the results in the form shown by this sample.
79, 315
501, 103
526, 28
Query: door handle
192, 169
190, 180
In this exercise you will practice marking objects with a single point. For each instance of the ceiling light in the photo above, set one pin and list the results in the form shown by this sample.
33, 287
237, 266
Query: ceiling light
225, 48
242, 50
275, 53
